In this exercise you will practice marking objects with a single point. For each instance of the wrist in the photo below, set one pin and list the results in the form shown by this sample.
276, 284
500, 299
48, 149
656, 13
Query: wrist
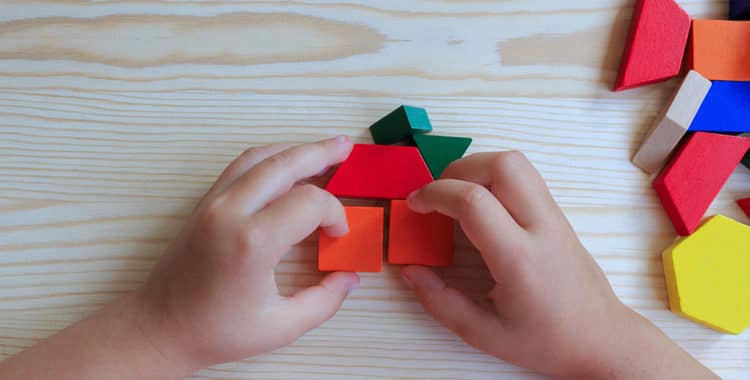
631, 347
160, 352
609, 346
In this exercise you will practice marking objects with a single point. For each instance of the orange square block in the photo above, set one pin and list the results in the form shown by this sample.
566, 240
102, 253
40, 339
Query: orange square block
419, 239
718, 49
361, 250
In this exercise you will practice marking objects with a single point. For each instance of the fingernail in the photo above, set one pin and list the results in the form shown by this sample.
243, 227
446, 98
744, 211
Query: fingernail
320, 173
341, 139
353, 286
407, 281
411, 195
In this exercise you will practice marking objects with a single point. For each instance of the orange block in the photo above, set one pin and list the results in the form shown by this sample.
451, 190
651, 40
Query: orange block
359, 251
720, 49
419, 239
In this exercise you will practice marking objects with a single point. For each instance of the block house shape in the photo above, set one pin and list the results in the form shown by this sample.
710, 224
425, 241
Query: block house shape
392, 172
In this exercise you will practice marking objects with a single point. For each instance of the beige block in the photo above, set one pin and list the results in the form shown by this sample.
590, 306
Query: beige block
672, 123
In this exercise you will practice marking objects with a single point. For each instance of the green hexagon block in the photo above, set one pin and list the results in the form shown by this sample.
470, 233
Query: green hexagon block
708, 275
403, 122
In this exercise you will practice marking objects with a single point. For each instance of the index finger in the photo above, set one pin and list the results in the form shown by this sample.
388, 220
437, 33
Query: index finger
276, 175
514, 181
501, 242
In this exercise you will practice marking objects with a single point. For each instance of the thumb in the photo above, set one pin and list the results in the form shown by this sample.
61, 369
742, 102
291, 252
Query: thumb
453, 309
309, 308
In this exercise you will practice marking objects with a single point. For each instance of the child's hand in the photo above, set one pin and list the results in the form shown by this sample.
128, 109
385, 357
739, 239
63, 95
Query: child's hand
554, 312
213, 293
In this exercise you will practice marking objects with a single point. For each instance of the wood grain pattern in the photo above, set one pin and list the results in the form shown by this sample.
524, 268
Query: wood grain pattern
115, 116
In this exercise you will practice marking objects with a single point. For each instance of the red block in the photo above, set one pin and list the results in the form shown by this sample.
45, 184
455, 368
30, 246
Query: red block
656, 43
380, 172
696, 174
745, 205
419, 239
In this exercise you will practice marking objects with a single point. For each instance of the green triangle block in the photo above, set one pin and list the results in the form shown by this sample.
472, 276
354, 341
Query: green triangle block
439, 151
746, 160
401, 123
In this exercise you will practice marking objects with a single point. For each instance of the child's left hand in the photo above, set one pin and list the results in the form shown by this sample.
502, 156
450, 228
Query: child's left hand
212, 297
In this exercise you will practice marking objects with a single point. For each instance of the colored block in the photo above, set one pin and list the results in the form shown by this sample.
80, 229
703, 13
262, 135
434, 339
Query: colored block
380, 172
695, 175
739, 9
707, 275
361, 250
403, 122
726, 108
718, 49
745, 205
656, 44
419, 239
439, 151
672, 124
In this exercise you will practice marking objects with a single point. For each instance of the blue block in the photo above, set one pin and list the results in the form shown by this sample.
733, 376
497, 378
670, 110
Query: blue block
739, 9
726, 109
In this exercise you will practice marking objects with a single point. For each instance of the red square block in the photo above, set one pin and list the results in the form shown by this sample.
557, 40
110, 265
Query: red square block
361, 250
419, 239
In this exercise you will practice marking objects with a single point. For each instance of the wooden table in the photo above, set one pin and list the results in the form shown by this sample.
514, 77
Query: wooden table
116, 116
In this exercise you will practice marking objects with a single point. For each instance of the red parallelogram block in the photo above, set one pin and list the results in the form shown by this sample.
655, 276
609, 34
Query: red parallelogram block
380, 172
656, 44
695, 175
361, 250
745, 205
419, 239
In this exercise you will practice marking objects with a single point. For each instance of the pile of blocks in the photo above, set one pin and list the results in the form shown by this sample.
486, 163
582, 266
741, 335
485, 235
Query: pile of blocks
694, 146
387, 172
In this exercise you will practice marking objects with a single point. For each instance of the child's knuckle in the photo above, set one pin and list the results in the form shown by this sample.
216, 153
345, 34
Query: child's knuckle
507, 161
253, 239
473, 198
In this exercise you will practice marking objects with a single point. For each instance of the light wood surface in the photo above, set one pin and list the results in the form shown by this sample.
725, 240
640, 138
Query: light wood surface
115, 116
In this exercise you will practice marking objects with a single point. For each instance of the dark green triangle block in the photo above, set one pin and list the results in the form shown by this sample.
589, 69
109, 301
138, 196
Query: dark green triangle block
401, 123
746, 160
439, 151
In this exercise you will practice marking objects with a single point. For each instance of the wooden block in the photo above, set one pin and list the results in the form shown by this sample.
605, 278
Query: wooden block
672, 124
726, 108
696, 174
359, 251
718, 49
439, 151
707, 275
656, 44
418, 239
739, 9
380, 172
398, 125
745, 205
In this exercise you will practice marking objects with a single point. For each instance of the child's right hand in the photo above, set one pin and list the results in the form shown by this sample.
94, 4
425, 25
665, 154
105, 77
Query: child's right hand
555, 312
